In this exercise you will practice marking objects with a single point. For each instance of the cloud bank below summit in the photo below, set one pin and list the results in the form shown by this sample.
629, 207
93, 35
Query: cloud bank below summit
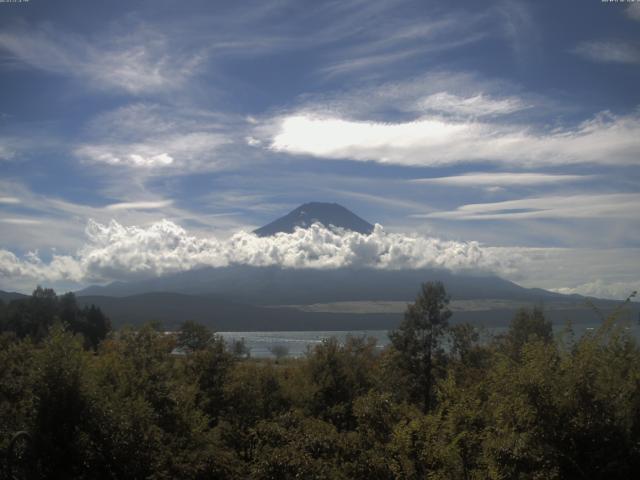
114, 251
117, 252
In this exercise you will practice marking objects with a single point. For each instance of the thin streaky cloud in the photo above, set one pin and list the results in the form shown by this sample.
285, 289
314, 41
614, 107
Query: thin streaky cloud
134, 62
616, 205
6, 153
9, 200
148, 205
396, 40
20, 221
376, 60
158, 137
519, 27
478, 105
188, 151
378, 199
442, 92
360, 63
609, 51
633, 11
502, 179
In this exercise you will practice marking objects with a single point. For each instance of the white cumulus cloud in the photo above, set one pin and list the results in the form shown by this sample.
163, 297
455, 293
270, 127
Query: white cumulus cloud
114, 251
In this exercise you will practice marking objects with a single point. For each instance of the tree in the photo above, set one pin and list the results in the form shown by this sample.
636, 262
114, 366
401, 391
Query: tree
279, 351
526, 326
194, 336
464, 339
89, 321
339, 374
240, 349
98, 325
417, 339
33, 317
61, 405
209, 370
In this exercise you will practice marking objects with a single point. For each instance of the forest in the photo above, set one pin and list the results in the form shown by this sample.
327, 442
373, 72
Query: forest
440, 402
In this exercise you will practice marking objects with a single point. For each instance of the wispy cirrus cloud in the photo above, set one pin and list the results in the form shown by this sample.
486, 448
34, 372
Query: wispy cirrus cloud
373, 60
609, 51
21, 221
633, 11
142, 205
474, 106
502, 179
613, 205
6, 153
151, 136
438, 91
179, 150
137, 61
385, 36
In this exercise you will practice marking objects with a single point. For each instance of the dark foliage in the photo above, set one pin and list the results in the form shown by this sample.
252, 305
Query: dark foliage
438, 403
34, 316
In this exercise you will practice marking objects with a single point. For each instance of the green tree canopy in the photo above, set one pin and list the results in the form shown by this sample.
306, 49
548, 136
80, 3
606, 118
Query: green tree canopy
417, 340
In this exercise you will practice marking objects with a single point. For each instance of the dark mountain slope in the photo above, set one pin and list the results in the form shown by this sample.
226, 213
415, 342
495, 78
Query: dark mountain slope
6, 297
275, 286
171, 309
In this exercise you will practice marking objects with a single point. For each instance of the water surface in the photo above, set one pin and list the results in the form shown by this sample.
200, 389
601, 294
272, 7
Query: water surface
297, 343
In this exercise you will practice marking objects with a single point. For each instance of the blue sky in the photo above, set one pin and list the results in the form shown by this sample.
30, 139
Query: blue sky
515, 125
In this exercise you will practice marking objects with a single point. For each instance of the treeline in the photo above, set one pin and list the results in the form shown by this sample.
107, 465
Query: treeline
33, 317
148, 405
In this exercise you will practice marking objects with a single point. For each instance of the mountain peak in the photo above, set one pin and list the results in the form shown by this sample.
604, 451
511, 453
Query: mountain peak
309, 213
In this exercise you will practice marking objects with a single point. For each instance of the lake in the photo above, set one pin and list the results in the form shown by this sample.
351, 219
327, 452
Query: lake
297, 343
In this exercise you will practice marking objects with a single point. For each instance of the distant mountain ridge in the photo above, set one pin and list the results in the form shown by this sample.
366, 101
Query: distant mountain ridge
306, 215
279, 286
245, 297
7, 297
221, 314
171, 309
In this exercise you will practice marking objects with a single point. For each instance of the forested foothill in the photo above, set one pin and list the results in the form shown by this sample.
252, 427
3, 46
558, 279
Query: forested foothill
439, 402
